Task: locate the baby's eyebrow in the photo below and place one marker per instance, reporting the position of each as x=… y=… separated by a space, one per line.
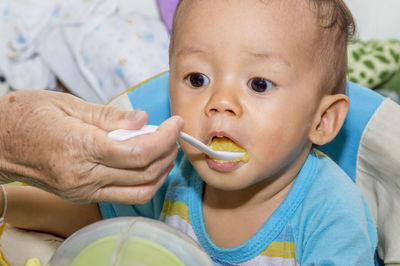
x=189 y=50
x=271 y=56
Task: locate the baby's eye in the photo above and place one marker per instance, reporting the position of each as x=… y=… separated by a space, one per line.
x=198 y=80
x=260 y=84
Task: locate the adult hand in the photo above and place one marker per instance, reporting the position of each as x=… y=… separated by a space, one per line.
x=58 y=142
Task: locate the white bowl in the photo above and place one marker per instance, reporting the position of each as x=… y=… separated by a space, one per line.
x=129 y=241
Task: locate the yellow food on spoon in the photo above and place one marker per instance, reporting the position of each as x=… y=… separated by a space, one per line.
x=225 y=144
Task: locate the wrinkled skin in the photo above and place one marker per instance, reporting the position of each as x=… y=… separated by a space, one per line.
x=59 y=143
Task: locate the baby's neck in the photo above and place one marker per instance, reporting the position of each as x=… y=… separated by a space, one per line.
x=259 y=194
x=243 y=212
x=233 y=217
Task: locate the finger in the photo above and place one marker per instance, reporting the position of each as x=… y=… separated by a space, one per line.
x=112 y=118
x=139 y=194
x=142 y=150
x=134 y=176
x=106 y=117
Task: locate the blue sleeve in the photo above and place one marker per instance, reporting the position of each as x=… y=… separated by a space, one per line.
x=334 y=225
x=152 y=209
x=339 y=239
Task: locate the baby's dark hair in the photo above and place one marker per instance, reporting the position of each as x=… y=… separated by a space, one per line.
x=337 y=28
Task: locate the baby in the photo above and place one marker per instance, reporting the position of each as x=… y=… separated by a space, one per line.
x=266 y=77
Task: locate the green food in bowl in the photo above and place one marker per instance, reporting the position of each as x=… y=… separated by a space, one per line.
x=134 y=240
x=136 y=251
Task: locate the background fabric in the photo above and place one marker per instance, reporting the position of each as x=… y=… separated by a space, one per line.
x=167 y=9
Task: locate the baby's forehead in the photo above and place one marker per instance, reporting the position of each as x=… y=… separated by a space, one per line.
x=279 y=6
x=299 y=14
x=294 y=18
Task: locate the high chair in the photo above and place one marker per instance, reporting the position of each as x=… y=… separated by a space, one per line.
x=367 y=148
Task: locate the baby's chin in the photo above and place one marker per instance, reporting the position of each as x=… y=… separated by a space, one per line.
x=231 y=176
x=225 y=181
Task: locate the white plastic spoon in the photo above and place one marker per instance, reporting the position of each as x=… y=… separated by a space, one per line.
x=124 y=134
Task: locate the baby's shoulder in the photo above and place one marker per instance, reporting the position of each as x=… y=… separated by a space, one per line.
x=331 y=183
x=333 y=193
x=333 y=218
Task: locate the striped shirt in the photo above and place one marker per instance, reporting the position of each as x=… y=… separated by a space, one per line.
x=323 y=220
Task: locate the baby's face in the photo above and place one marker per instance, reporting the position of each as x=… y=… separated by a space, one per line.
x=245 y=70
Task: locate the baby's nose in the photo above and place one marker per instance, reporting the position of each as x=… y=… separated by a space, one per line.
x=223 y=102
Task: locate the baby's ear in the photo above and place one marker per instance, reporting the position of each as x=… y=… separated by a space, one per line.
x=329 y=118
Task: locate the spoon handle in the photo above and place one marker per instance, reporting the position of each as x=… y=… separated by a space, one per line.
x=195 y=142
x=124 y=134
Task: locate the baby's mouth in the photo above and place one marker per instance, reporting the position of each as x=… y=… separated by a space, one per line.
x=226 y=144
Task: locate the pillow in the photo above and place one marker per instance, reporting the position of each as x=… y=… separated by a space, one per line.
x=374 y=62
x=17 y=246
